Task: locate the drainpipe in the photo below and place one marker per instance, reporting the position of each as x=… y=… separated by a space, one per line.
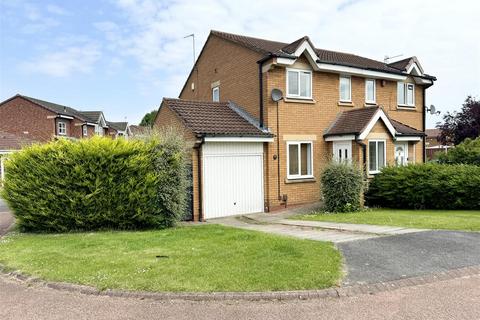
x=424 y=121
x=199 y=185
x=364 y=150
x=260 y=79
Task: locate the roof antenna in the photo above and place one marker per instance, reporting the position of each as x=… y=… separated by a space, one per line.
x=193 y=42
x=386 y=59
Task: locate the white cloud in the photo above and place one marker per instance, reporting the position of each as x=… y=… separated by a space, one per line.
x=443 y=35
x=52 y=8
x=64 y=62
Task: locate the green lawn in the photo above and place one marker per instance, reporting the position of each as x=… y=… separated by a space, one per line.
x=428 y=219
x=196 y=258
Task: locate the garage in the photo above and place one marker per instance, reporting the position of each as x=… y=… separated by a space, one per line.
x=233 y=178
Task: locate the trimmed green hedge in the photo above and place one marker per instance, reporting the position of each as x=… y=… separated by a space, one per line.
x=342 y=186
x=97 y=183
x=426 y=186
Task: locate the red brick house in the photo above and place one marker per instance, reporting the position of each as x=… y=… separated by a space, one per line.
x=41 y=120
x=433 y=145
x=9 y=143
x=265 y=117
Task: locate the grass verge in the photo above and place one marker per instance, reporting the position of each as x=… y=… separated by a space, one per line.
x=426 y=219
x=193 y=259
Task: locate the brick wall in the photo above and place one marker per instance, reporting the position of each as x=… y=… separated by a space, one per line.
x=19 y=115
x=234 y=67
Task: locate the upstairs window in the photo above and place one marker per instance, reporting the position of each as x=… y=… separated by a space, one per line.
x=216 y=94
x=405 y=94
x=61 y=128
x=345 y=89
x=299 y=84
x=370 y=91
x=299 y=160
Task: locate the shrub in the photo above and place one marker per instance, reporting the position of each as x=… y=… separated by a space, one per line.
x=426 y=186
x=467 y=152
x=96 y=183
x=342 y=186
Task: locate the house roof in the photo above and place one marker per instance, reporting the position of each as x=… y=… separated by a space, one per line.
x=281 y=49
x=119 y=126
x=91 y=116
x=9 y=141
x=432 y=133
x=138 y=130
x=355 y=121
x=214 y=118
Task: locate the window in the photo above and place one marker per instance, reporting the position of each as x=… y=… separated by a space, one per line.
x=61 y=128
x=299 y=84
x=299 y=160
x=376 y=156
x=345 y=89
x=370 y=91
x=405 y=94
x=85 y=130
x=98 y=130
x=216 y=94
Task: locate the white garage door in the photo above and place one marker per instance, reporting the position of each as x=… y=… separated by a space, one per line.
x=232 y=178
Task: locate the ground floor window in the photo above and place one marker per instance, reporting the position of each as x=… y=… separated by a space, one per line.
x=299 y=159
x=376 y=155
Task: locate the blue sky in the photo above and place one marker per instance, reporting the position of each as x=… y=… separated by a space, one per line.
x=123 y=56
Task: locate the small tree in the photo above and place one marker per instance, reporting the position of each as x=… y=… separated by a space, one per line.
x=467 y=152
x=147 y=120
x=342 y=186
x=457 y=126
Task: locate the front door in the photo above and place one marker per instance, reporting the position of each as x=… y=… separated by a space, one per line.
x=342 y=151
x=401 y=154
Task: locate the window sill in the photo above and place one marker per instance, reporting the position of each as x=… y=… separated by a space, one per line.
x=370 y=104
x=345 y=104
x=405 y=107
x=300 y=180
x=299 y=100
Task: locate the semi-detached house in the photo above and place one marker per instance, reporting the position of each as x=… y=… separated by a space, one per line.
x=263 y=119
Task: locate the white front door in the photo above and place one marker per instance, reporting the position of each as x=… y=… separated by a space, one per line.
x=342 y=151
x=401 y=154
x=232 y=178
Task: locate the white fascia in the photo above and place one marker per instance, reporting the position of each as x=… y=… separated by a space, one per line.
x=65 y=117
x=341 y=137
x=408 y=138
x=379 y=115
x=238 y=139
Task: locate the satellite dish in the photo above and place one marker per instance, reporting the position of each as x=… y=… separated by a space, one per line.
x=277 y=95
x=432 y=109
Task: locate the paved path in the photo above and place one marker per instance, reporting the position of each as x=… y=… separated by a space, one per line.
x=365 y=228
x=6 y=218
x=451 y=299
x=409 y=255
x=302 y=232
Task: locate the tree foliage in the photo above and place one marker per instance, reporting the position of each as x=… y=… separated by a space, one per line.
x=467 y=152
x=457 y=126
x=147 y=120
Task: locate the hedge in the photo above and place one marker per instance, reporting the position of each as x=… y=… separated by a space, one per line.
x=467 y=152
x=426 y=186
x=97 y=183
x=342 y=186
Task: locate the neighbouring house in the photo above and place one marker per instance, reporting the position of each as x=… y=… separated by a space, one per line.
x=433 y=144
x=138 y=131
x=10 y=143
x=263 y=119
x=42 y=120
x=118 y=129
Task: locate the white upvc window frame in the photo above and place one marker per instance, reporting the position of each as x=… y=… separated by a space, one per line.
x=85 y=130
x=99 y=130
x=216 y=90
x=343 y=76
x=376 y=154
x=405 y=95
x=299 y=71
x=61 y=131
x=374 y=101
x=299 y=175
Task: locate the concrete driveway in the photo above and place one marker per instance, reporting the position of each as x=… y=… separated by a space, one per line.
x=414 y=254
